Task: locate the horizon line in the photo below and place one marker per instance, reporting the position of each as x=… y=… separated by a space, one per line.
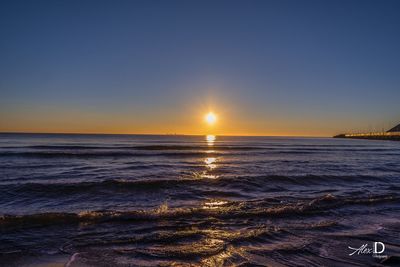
x=165 y=134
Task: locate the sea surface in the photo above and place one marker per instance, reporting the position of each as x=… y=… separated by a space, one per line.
x=136 y=200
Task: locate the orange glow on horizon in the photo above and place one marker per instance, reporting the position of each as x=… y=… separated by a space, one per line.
x=190 y=120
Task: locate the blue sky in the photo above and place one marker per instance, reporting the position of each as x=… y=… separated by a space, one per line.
x=265 y=67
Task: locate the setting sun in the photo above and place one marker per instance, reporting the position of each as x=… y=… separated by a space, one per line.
x=210 y=118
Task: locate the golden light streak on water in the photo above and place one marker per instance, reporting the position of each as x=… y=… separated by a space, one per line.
x=210 y=139
x=211 y=163
x=214 y=204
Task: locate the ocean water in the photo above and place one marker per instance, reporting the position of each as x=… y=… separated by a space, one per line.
x=131 y=200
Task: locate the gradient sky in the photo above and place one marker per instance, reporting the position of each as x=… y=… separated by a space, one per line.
x=265 y=67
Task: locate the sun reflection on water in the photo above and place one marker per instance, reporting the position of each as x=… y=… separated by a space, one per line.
x=210 y=139
x=211 y=163
x=214 y=204
x=209 y=176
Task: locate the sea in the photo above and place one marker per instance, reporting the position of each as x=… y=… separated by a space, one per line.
x=171 y=200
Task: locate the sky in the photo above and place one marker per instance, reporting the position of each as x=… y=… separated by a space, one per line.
x=307 y=68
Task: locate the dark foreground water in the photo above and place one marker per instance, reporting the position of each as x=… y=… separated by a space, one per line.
x=108 y=200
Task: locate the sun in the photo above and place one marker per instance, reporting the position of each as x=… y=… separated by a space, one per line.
x=210 y=118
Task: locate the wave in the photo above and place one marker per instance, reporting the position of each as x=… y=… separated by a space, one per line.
x=94 y=186
x=226 y=210
x=260 y=182
x=271 y=147
x=200 y=147
x=125 y=151
x=200 y=152
x=263 y=183
x=138 y=147
x=102 y=154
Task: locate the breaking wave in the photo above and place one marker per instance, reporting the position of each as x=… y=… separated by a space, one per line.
x=228 y=210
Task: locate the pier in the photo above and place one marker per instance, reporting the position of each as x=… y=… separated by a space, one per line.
x=392 y=134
